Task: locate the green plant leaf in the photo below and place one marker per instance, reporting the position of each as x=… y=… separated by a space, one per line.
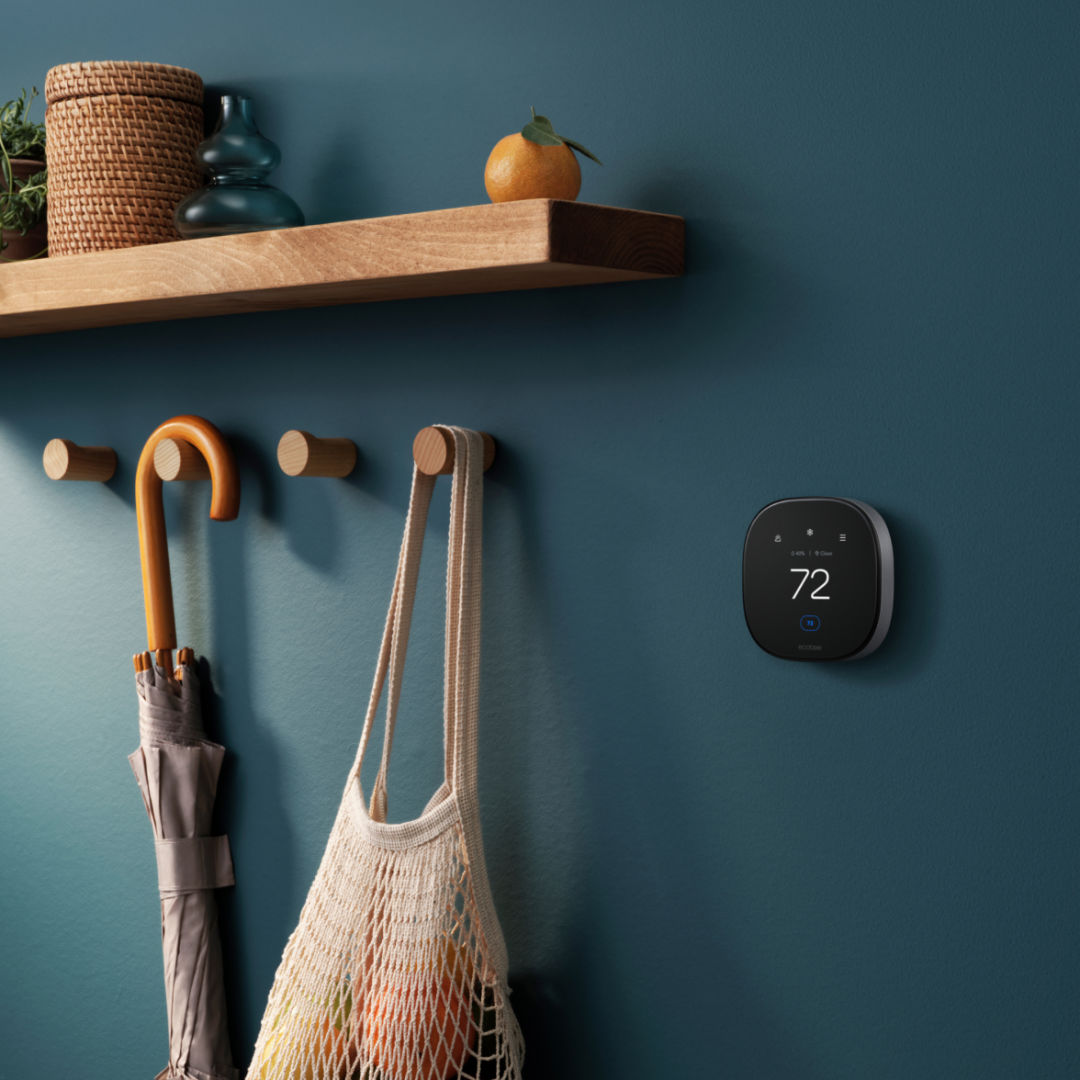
x=541 y=131
x=543 y=136
x=19 y=135
x=580 y=149
x=22 y=202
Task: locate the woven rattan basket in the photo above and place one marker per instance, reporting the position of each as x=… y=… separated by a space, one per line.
x=120 y=144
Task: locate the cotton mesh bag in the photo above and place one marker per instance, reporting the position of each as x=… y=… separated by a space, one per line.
x=397 y=967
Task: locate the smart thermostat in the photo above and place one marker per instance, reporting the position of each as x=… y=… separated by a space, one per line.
x=818 y=579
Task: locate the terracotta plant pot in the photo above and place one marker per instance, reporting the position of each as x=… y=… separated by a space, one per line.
x=34 y=242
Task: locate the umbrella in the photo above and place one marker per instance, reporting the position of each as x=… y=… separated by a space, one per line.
x=177 y=770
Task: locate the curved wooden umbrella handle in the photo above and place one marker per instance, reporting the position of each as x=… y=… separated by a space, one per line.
x=150 y=515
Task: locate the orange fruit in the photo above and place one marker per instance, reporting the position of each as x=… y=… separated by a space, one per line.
x=521 y=169
x=535 y=163
x=427 y=1025
x=437 y=1035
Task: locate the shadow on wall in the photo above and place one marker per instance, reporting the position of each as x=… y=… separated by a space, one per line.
x=563 y=1012
x=912 y=640
x=531 y=774
x=249 y=804
x=306 y=512
x=529 y=757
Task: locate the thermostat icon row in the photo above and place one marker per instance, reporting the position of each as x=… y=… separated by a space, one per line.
x=778 y=539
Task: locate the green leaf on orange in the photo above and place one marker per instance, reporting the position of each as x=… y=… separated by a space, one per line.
x=541 y=131
x=542 y=135
x=580 y=149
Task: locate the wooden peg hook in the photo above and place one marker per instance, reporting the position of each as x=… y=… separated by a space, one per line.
x=63 y=460
x=433 y=451
x=177 y=459
x=300 y=453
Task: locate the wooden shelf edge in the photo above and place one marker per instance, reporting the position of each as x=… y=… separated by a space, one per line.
x=533 y=244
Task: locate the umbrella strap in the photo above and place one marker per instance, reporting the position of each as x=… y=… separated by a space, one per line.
x=188 y=1072
x=193 y=863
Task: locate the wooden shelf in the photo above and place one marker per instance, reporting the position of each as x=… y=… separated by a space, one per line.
x=471 y=249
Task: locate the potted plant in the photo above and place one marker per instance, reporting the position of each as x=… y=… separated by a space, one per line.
x=22 y=182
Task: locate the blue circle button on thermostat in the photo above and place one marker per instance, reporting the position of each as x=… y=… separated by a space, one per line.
x=810 y=622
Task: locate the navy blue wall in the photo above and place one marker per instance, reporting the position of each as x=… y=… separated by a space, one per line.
x=707 y=861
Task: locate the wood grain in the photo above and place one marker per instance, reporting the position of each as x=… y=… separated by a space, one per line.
x=177 y=459
x=433 y=451
x=536 y=243
x=300 y=453
x=64 y=460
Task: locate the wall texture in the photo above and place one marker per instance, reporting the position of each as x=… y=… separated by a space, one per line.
x=707 y=861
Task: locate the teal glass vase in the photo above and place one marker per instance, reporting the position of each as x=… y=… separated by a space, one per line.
x=238 y=158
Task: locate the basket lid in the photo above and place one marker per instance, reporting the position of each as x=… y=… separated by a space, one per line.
x=93 y=78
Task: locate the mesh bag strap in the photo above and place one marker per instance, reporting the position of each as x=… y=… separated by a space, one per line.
x=463 y=611
x=395 y=638
x=463 y=608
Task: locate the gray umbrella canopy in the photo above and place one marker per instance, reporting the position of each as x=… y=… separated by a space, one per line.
x=177 y=769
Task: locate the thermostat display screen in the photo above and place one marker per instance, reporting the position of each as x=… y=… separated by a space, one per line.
x=812 y=578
